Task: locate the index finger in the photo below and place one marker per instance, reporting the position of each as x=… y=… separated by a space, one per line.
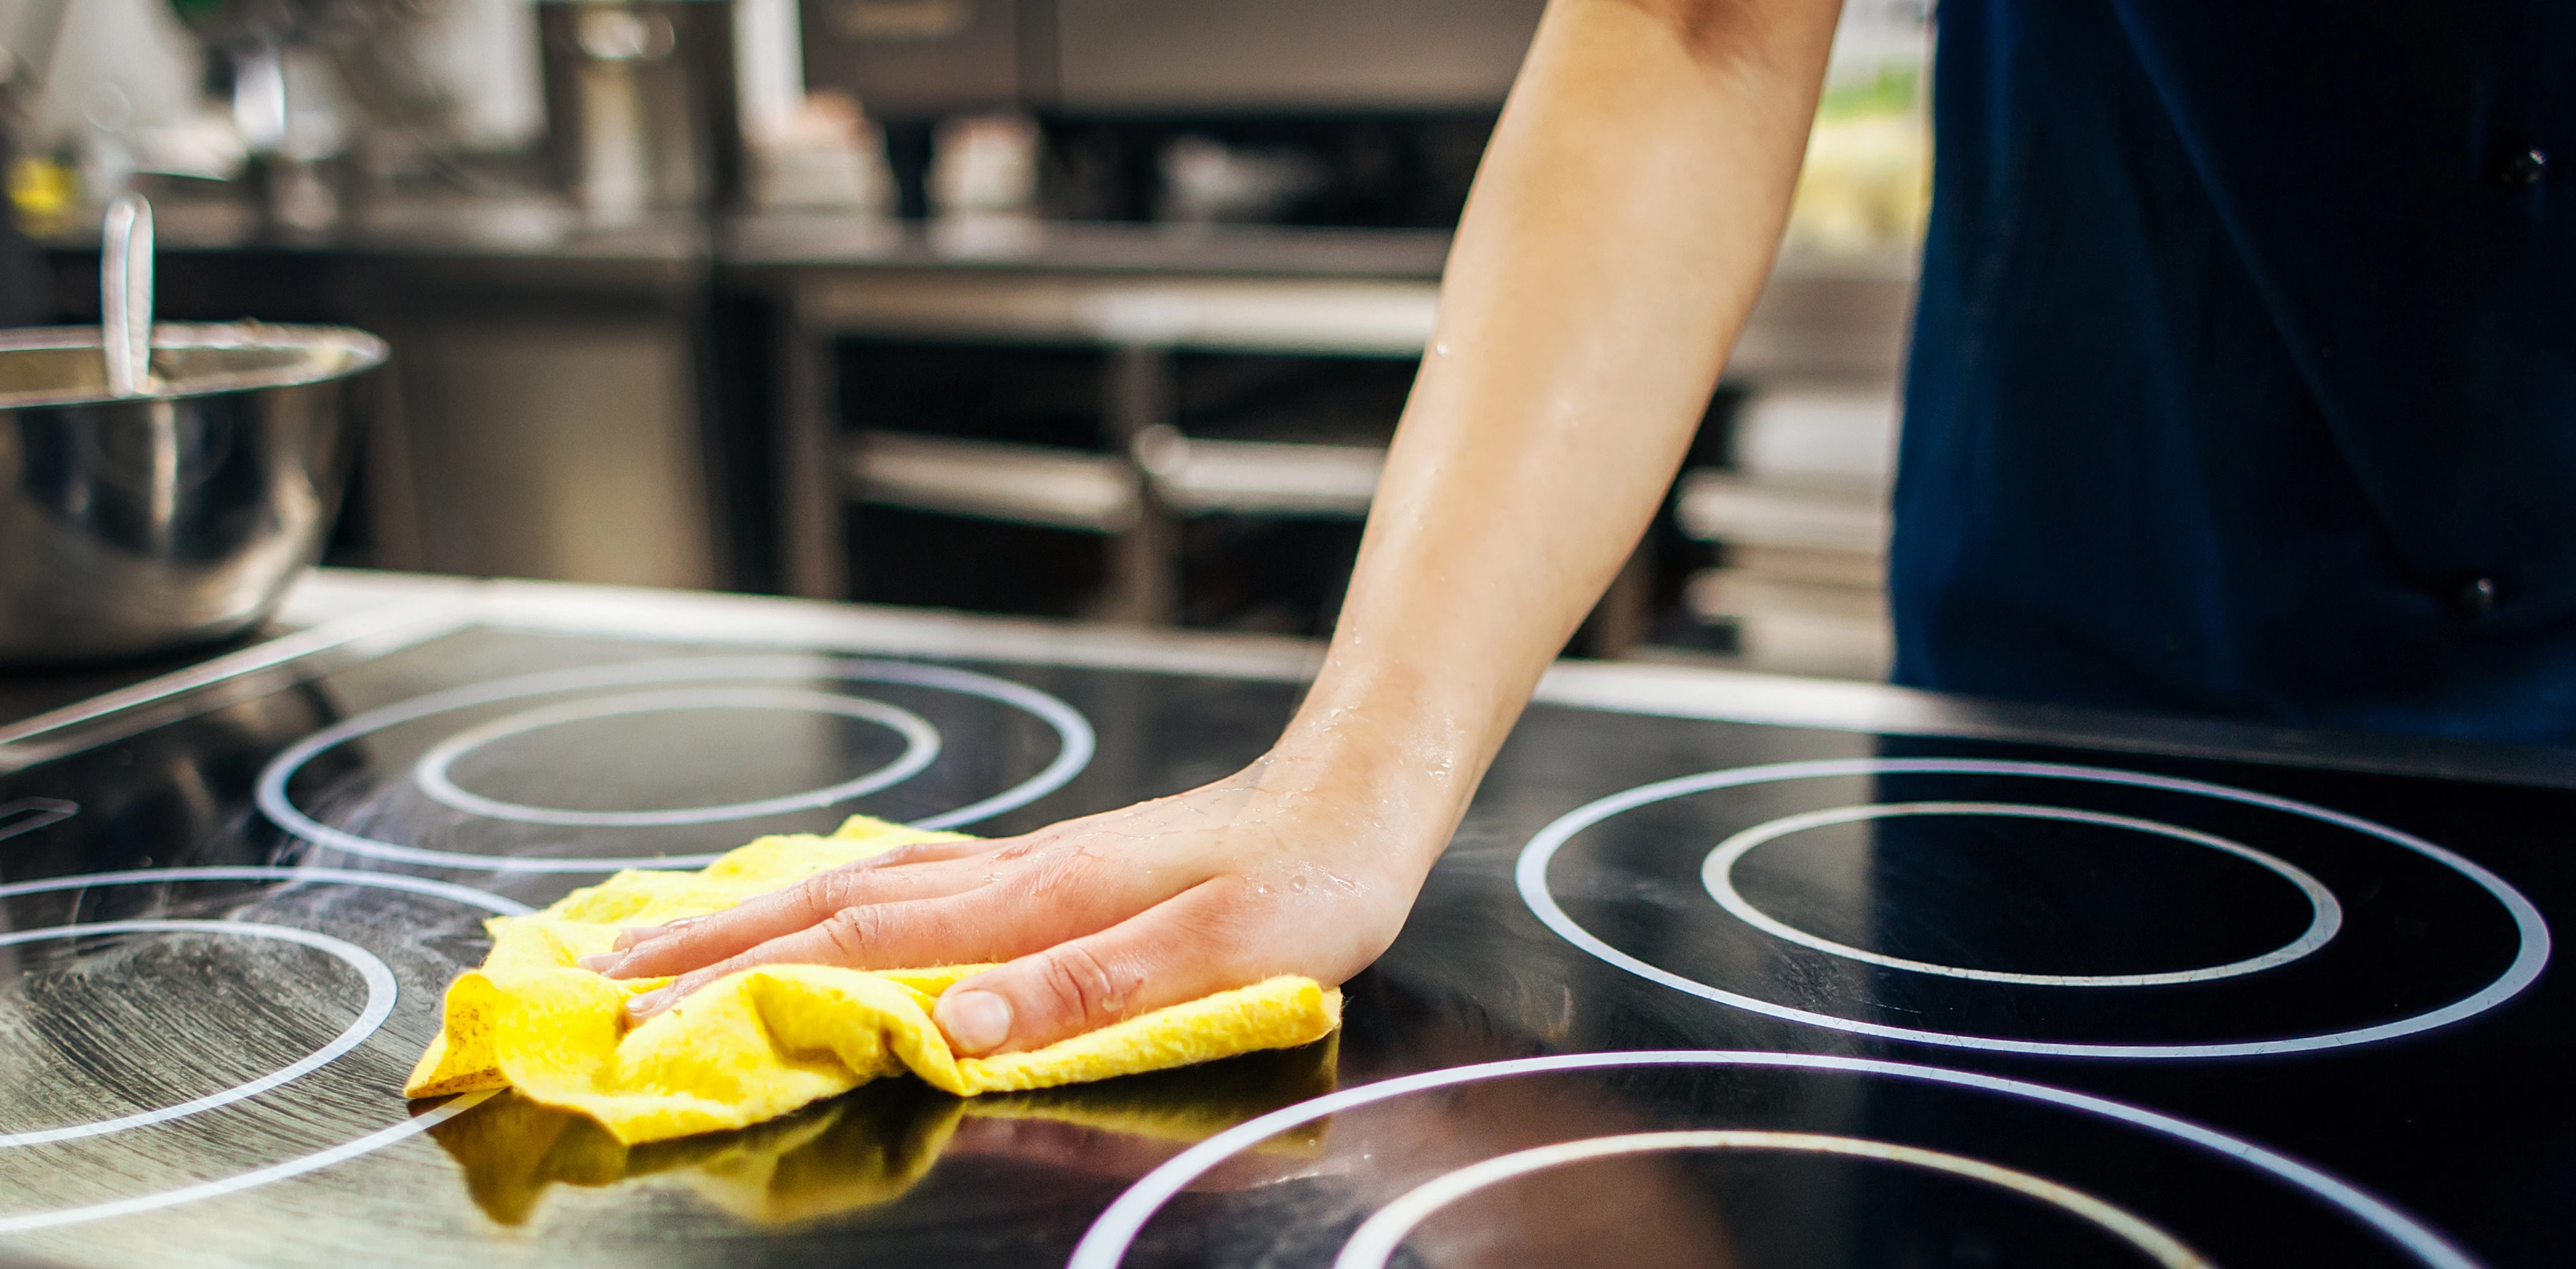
x=694 y=942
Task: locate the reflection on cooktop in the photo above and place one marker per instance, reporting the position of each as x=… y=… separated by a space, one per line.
x=871 y=1146
x=1682 y=991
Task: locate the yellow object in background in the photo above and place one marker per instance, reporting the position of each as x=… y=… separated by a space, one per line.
x=1866 y=184
x=43 y=192
x=766 y=1041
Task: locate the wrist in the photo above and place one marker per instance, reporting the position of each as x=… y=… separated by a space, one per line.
x=1401 y=769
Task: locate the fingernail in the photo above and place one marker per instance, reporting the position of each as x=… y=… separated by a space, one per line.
x=634 y=934
x=601 y=963
x=976 y=1021
x=643 y=1005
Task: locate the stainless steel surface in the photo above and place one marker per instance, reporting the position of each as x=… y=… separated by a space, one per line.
x=907 y=58
x=639 y=100
x=1720 y=506
x=1217 y=477
x=1145 y=292
x=1339 y=54
x=1026 y=484
x=1140 y=321
x=552 y=441
x=551 y=362
x=821 y=240
x=532 y=231
x=1333 y=317
x=180 y=515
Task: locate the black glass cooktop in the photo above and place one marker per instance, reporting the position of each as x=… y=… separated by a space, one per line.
x=1684 y=991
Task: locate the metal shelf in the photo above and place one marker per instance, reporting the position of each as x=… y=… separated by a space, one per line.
x=1190 y=476
x=1023 y=484
x=1330 y=317
x=1717 y=506
x=1806 y=589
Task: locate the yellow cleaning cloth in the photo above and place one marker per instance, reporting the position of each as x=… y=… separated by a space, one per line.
x=760 y=1043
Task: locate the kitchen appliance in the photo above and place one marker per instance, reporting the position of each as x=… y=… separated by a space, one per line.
x=917 y=58
x=1720 y=969
x=162 y=485
x=640 y=104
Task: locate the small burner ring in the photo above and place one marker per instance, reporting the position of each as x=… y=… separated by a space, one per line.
x=1374 y=1243
x=2531 y=956
x=1076 y=744
x=380 y=1005
x=21 y=1222
x=920 y=749
x=1114 y=1231
x=2325 y=912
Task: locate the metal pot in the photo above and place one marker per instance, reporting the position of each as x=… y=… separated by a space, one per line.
x=150 y=500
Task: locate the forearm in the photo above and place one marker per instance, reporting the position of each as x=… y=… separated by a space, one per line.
x=1620 y=228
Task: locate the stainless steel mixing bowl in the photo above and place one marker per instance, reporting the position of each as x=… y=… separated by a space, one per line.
x=179 y=514
x=161 y=485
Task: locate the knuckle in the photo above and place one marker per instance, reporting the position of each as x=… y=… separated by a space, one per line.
x=819 y=899
x=908 y=853
x=848 y=933
x=1064 y=870
x=1081 y=986
x=1029 y=843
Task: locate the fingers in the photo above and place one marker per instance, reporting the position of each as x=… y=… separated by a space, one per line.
x=958 y=929
x=689 y=944
x=1184 y=948
x=965 y=913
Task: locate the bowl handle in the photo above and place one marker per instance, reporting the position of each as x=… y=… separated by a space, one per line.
x=125 y=295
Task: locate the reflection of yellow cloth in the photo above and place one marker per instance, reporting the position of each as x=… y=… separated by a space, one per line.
x=765 y=1041
x=866 y=1147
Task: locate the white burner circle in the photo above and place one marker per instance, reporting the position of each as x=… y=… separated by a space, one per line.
x=1531 y=874
x=25 y=1221
x=1105 y=1244
x=1718 y=874
x=920 y=749
x=1076 y=744
x=1374 y=1243
x=379 y=1006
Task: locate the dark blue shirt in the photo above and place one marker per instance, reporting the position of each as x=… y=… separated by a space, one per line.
x=2244 y=373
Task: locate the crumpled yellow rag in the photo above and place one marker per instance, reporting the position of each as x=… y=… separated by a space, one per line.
x=760 y=1043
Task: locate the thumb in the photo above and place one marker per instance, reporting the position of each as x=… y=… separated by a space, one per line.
x=1175 y=951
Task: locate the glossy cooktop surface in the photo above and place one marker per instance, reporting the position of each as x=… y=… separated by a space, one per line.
x=1684 y=990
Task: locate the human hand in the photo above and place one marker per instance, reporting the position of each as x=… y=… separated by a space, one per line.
x=1281 y=869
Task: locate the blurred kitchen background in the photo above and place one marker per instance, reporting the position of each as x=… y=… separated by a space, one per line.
x=1095 y=308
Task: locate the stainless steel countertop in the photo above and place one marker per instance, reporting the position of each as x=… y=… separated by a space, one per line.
x=491 y=228
x=539 y=227
x=825 y=240
x=337 y=614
